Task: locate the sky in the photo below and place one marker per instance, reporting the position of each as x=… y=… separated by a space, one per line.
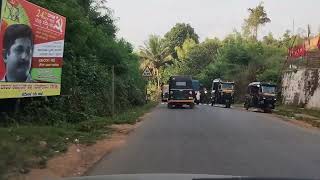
x=137 y=19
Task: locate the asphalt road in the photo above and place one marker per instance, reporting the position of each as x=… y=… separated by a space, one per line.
x=214 y=140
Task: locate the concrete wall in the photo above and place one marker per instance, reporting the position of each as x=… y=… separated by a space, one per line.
x=301 y=87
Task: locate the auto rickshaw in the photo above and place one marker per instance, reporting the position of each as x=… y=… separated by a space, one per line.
x=222 y=92
x=261 y=95
x=165 y=93
x=180 y=92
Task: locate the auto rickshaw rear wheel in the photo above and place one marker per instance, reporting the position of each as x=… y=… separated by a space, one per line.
x=228 y=105
x=267 y=110
x=246 y=106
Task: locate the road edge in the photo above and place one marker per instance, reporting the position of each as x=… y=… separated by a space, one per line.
x=110 y=143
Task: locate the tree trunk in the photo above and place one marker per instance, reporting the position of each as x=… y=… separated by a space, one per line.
x=158 y=79
x=256 y=33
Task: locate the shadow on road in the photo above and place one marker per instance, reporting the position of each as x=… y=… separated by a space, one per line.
x=257 y=111
x=164 y=105
x=222 y=106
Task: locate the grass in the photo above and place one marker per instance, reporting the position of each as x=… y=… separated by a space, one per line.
x=30 y=146
x=281 y=110
x=293 y=112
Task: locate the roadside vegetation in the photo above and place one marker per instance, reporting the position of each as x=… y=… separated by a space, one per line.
x=43 y=127
x=309 y=116
x=241 y=56
x=27 y=145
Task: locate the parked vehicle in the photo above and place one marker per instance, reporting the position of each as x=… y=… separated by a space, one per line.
x=196 y=89
x=165 y=93
x=222 y=92
x=261 y=95
x=180 y=91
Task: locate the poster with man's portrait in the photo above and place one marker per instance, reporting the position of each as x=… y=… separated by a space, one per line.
x=32 y=44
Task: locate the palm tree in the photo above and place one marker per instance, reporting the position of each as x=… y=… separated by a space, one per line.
x=155 y=54
x=257 y=17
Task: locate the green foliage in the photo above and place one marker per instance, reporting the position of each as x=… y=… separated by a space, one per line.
x=30 y=146
x=178 y=35
x=184 y=51
x=287 y=40
x=155 y=54
x=91 y=49
x=236 y=58
x=177 y=68
x=293 y=111
x=257 y=17
x=200 y=56
x=270 y=40
x=245 y=61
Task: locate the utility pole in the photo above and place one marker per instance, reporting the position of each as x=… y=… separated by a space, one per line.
x=293 y=27
x=147 y=74
x=147 y=98
x=113 y=91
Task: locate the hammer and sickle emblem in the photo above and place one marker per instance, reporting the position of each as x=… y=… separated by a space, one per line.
x=59 y=25
x=14 y=11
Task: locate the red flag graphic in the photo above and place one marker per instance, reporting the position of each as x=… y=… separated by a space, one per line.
x=14 y=3
x=297 y=51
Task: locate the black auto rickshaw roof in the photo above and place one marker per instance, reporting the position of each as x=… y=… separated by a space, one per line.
x=181 y=78
x=261 y=84
x=221 y=81
x=187 y=79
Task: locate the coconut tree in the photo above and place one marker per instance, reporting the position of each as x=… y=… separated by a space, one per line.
x=155 y=54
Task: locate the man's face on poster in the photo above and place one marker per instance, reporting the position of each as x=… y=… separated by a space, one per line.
x=18 y=58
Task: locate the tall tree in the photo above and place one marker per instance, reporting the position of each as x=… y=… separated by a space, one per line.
x=90 y=49
x=269 y=39
x=287 y=39
x=201 y=55
x=85 y=4
x=155 y=54
x=183 y=52
x=257 y=17
x=177 y=36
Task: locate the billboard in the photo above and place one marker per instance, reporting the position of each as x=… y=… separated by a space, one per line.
x=32 y=44
x=312 y=44
x=308 y=46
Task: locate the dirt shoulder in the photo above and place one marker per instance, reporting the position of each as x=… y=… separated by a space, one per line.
x=306 y=116
x=78 y=158
x=301 y=117
x=81 y=151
